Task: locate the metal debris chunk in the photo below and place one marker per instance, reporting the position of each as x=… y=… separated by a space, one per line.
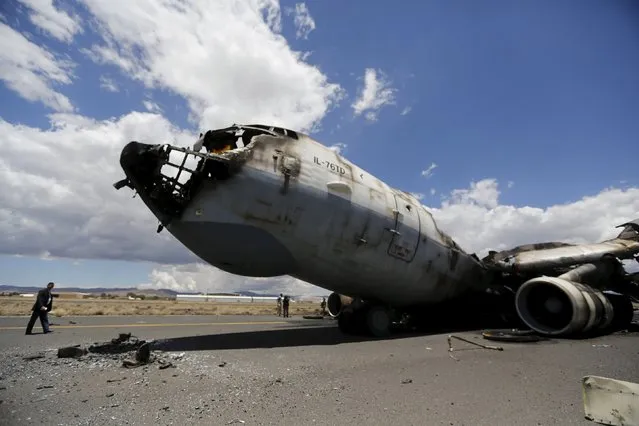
x=164 y=365
x=143 y=354
x=71 y=352
x=610 y=401
x=33 y=357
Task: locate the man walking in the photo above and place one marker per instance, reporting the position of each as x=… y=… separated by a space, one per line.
x=41 y=308
x=285 y=306
x=279 y=305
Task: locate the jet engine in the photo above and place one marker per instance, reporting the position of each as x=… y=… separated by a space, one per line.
x=557 y=307
x=336 y=303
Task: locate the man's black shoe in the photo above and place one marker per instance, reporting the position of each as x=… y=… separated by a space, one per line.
x=28 y=333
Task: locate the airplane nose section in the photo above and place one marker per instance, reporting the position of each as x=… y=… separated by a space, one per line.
x=132 y=153
x=142 y=164
x=167 y=186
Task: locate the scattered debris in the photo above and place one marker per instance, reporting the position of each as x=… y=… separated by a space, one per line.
x=407 y=381
x=45 y=387
x=72 y=322
x=222 y=364
x=109 y=395
x=33 y=357
x=71 y=352
x=512 y=335
x=600 y=346
x=123 y=343
x=143 y=353
x=165 y=364
x=115 y=380
x=450 y=345
x=236 y=421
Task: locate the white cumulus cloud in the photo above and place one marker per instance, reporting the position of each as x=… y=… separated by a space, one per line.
x=108 y=84
x=226 y=58
x=54 y=21
x=58 y=197
x=304 y=22
x=429 y=171
x=199 y=277
x=151 y=106
x=476 y=219
x=32 y=71
x=376 y=93
x=338 y=147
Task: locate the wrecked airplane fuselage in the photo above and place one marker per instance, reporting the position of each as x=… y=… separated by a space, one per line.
x=265 y=201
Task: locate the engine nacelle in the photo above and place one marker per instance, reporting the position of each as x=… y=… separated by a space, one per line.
x=336 y=303
x=557 y=307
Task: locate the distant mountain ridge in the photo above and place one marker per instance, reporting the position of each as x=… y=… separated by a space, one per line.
x=119 y=290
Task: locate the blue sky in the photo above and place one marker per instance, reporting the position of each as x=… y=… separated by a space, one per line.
x=544 y=95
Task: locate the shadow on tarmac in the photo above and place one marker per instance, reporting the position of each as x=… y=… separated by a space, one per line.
x=454 y=319
x=301 y=335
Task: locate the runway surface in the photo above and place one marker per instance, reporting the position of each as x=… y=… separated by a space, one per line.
x=267 y=370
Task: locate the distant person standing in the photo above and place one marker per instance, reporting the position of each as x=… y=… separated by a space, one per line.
x=285 y=306
x=41 y=308
x=279 y=305
x=323 y=306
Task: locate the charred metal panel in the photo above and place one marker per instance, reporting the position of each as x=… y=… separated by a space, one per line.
x=567 y=255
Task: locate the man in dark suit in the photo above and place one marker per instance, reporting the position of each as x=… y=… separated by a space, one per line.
x=41 y=308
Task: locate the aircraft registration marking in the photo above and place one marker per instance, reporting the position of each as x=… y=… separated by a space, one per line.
x=329 y=165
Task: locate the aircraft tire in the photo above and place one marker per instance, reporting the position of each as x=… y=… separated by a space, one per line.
x=623 y=311
x=378 y=321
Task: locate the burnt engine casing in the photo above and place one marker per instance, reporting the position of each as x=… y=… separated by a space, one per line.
x=555 y=306
x=336 y=303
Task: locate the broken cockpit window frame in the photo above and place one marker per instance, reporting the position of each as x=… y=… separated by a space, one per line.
x=170 y=176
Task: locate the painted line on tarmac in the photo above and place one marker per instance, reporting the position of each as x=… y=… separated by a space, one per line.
x=186 y=324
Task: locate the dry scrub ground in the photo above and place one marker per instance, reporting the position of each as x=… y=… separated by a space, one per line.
x=13 y=306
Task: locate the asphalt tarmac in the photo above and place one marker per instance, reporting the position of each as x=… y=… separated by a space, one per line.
x=292 y=371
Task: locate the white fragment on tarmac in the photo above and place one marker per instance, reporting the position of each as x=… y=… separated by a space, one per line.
x=610 y=401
